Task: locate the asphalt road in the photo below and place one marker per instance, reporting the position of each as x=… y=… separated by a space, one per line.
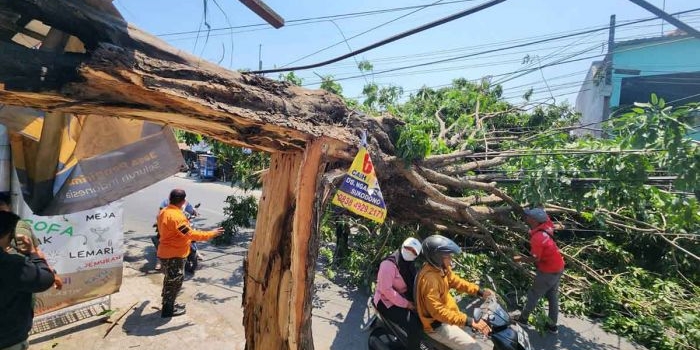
x=141 y=208
x=339 y=311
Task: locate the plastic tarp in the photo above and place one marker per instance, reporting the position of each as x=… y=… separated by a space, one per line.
x=67 y=163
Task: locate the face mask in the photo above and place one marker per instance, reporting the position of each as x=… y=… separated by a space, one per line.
x=408 y=255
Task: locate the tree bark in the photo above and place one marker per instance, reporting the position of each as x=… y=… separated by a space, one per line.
x=127 y=73
x=342 y=234
x=282 y=257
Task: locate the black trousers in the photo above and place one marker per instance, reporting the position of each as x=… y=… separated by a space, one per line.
x=406 y=318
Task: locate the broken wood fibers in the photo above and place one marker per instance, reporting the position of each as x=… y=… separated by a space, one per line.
x=129 y=73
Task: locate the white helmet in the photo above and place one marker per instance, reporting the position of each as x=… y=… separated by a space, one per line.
x=413 y=243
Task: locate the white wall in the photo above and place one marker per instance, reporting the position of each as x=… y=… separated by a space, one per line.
x=590 y=101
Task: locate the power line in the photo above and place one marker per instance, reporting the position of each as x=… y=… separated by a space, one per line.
x=362 y=33
x=309 y=20
x=390 y=39
x=488 y=63
x=559 y=62
x=492 y=50
x=445 y=53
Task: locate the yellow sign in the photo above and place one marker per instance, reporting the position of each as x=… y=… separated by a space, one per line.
x=360 y=192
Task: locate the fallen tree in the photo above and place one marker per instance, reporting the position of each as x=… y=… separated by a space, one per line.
x=434 y=174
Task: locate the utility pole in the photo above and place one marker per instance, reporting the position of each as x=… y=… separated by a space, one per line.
x=260 y=57
x=265 y=12
x=608 y=65
x=663 y=8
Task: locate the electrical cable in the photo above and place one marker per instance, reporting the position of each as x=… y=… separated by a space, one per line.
x=321 y=18
x=362 y=33
x=390 y=39
x=476 y=53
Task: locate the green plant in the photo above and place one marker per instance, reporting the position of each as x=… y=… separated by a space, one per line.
x=630 y=240
x=240 y=212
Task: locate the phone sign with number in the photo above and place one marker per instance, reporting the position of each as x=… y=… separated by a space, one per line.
x=360 y=192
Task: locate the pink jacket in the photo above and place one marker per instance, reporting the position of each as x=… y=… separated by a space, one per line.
x=390 y=286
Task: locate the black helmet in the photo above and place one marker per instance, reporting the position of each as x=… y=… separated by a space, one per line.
x=436 y=246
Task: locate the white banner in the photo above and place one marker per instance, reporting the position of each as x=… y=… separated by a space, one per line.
x=85 y=248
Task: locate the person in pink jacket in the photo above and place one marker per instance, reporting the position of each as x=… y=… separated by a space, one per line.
x=393 y=297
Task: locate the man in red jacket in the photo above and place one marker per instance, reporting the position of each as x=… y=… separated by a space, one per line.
x=549 y=264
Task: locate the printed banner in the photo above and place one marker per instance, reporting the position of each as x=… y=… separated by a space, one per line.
x=85 y=248
x=360 y=192
x=67 y=163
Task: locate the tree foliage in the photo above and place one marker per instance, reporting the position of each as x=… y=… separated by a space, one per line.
x=625 y=206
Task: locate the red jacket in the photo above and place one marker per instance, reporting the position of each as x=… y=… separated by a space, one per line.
x=544 y=249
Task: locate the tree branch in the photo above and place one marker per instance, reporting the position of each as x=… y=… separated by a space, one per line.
x=461 y=169
x=443 y=130
x=444 y=159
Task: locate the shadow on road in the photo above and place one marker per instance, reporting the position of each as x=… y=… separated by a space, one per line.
x=70 y=330
x=140 y=324
x=349 y=334
x=567 y=338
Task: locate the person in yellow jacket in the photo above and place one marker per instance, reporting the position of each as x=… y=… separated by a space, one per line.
x=438 y=311
x=175 y=238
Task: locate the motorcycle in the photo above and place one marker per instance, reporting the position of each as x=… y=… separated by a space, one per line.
x=192 y=260
x=506 y=334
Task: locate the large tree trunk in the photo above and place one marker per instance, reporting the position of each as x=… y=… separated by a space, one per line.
x=127 y=73
x=281 y=259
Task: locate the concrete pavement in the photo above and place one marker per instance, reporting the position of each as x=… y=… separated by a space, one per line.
x=213 y=296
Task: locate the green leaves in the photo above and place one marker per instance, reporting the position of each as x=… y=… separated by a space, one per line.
x=330 y=85
x=291 y=78
x=413 y=143
x=240 y=212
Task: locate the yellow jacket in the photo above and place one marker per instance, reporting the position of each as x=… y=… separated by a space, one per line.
x=176 y=233
x=433 y=299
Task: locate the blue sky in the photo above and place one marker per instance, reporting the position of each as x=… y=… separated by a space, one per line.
x=509 y=23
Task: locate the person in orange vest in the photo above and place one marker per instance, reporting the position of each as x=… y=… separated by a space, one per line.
x=175 y=238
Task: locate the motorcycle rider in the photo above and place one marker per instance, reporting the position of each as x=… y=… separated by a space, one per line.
x=393 y=297
x=438 y=311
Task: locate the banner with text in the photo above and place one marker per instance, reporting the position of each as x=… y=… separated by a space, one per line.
x=67 y=163
x=85 y=248
x=360 y=192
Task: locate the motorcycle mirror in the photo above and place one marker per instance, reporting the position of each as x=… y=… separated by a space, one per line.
x=477 y=314
x=197 y=205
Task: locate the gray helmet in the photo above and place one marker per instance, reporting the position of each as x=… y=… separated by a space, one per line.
x=436 y=246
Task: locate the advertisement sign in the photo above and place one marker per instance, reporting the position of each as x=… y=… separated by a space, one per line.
x=85 y=248
x=360 y=192
x=67 y=163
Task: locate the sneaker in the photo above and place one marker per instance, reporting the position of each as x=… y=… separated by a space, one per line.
x=171 y=311
x=552 y=328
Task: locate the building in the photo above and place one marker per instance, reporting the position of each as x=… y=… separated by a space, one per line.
x=668 y=66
